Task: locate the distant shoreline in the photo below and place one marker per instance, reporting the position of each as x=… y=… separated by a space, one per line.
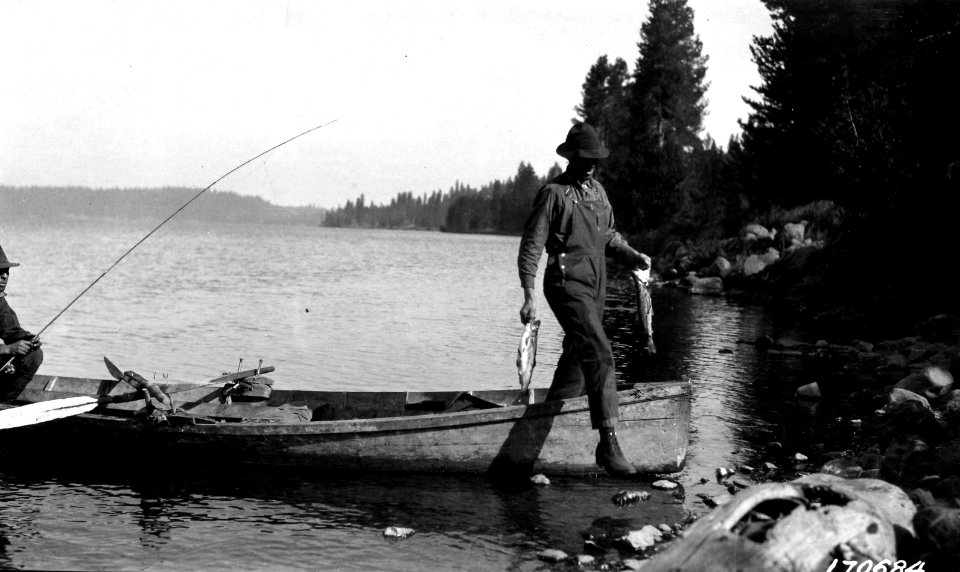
x=72 y=202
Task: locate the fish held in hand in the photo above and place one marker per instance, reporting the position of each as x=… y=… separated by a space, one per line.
x=527 y=354
x=641 y=279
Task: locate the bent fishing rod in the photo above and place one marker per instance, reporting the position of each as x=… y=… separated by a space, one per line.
x=165 y=221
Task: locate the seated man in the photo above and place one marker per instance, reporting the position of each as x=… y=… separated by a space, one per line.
x=20 y=353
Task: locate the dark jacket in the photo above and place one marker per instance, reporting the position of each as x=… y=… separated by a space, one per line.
x=550 y=225
x=10 y=330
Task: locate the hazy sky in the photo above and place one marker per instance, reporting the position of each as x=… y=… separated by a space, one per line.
x=423 y=93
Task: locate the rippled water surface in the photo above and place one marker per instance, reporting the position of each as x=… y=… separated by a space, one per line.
x=355 y=309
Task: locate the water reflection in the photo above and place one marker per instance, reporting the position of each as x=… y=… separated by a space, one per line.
x=215 y=519
x=154 y=521
x=743 y=398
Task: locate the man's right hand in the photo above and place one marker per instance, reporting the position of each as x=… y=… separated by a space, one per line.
x=21 y=348
x=529 y=309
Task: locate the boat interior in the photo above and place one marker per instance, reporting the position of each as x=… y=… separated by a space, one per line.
x=254 y=398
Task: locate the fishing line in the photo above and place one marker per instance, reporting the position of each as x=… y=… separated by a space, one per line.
x=156 y=228
x=266 y=173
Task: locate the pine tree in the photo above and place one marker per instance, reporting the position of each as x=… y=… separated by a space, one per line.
x=669 y=88
x=666 y=108
x=603 y=98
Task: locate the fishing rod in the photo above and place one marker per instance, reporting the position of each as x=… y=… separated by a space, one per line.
x=149 y=234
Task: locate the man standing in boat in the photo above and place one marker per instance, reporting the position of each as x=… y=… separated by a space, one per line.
x=573 y=220
x=20 y=353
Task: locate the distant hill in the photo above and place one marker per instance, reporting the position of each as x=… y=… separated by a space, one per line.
x=59 y=203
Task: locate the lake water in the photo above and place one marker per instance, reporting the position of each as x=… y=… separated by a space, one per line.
x=356 y=309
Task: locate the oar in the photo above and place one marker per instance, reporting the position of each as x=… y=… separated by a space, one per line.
x=48 y=410
x=41 y=411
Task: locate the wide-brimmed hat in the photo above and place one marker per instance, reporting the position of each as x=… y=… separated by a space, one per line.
x=582 y=141
x=4 y=263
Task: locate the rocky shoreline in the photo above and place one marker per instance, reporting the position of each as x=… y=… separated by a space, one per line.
x=800 y=269
x=911 y=446
x=911 y=441
x=893 y=498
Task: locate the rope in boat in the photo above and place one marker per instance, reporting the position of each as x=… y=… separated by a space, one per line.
x=175 y=213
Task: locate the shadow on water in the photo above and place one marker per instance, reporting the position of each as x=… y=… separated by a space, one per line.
x=518 y=454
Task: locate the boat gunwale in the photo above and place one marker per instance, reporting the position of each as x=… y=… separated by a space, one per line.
x=671 y=390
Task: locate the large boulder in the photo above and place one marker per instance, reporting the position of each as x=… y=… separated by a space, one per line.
x=939 y=527
x=793 y=233
x=720 y=267
x=948 y=488
x=697 y=285
x=644 y=538
x=931 y=382
x=947 y=458
x=794 y=526
x=870 y=460
x=754 y=231
x=950 y=406
x=912 y=417
x=798 y=260
x=809 y=391
x=890 y=501
x=900 y=395
x=906 y=453
x=756 y=263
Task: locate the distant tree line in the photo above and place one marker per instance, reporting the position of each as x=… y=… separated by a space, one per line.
x=501 y=206
x=59 y=203
x=498 y=207
x=405 y=211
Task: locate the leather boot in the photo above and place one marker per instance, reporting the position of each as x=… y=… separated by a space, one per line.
x=610 y=457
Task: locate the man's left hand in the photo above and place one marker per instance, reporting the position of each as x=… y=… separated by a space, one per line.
x=640 y=260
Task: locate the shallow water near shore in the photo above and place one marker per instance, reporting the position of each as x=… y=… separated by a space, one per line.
x=361 y=309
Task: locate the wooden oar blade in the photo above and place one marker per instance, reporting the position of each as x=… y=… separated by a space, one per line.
x=34 y=413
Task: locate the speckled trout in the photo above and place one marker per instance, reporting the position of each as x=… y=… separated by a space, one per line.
x=641 y=278
x=527 y=356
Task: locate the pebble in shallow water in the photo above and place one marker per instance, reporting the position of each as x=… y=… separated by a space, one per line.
x=723 y=473
x=553 y=555
x=398 y=532
x=644 y=538
x=541 y=480
x=664 y=485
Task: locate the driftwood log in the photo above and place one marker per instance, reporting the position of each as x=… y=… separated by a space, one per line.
x=800 y=526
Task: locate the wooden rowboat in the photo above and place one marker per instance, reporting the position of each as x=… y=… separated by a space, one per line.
x=461 y=431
